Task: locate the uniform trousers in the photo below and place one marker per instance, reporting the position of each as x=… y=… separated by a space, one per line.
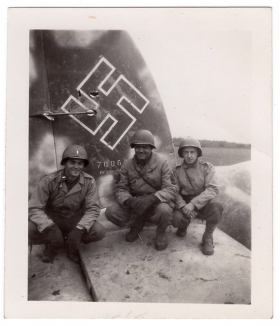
x=123 y=217
x=66 y=225
x=211 y=213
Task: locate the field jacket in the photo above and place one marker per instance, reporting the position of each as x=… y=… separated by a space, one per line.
x=51 y=196
x=158 y=174
x=199 y=182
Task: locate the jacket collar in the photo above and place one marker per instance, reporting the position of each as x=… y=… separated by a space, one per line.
x=61 y=177
x=192 y=166
x=150 y=165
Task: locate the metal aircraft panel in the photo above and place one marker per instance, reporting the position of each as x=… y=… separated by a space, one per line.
x=101 y=71
x=42 y=158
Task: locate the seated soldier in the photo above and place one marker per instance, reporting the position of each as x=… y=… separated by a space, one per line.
x=198 y=187
x=145 y=192
x=64 y=208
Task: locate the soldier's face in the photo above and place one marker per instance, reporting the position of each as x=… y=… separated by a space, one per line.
x=143 y=152
x=73 y=168
x=189 y=154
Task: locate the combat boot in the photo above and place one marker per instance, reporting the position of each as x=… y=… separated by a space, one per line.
x=182 y=231
x=136 y=228
x=73 y=255
x=207 y=240
x=48 y=254
x=161 y=239
x=132 y=235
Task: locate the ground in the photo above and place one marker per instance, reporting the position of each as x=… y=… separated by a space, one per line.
x=60 y=281
x=115 y=270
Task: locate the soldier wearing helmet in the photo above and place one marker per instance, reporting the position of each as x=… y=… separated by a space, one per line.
x=64 y=208
x=198 y=188
x=146 y=191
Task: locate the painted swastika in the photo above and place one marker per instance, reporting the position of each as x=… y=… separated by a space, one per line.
x=101 y=78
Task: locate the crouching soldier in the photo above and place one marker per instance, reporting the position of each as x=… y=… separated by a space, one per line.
x=146 y=191
x=198 y=187
x=64 y=208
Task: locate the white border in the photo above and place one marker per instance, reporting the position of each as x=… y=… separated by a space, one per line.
x=195 y=3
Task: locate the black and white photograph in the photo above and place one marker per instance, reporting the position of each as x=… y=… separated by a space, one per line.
x=145 y=140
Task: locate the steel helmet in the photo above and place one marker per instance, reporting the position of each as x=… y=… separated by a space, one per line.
x=190 y=142
x=75 y=151
x=142 y=137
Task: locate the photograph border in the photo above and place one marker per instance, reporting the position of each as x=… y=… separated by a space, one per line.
x=16 y=297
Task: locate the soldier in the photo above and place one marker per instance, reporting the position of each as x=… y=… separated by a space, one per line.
x=64 y=208
x=146 y=191
x=198 y=188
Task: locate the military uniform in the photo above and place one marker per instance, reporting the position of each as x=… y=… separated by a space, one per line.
x=52 y=203
x=198 y=185
x=156 y=178
x=198 y=181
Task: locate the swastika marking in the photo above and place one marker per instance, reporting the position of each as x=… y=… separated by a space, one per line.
x=106 y=93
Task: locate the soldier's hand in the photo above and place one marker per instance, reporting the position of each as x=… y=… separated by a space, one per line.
x=136 y=203
x=54 y=237
x=141 y=204
x=193 y=214
x=189 y=211
x=129 y=202
x=190 y=207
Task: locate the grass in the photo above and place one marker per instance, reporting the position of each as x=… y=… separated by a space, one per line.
x=223 y=156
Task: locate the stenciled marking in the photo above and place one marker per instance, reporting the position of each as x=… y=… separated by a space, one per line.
x=93 y=132
x=106 y=93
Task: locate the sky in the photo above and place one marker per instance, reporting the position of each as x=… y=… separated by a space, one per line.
x=211 y=66
x=202 y=67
